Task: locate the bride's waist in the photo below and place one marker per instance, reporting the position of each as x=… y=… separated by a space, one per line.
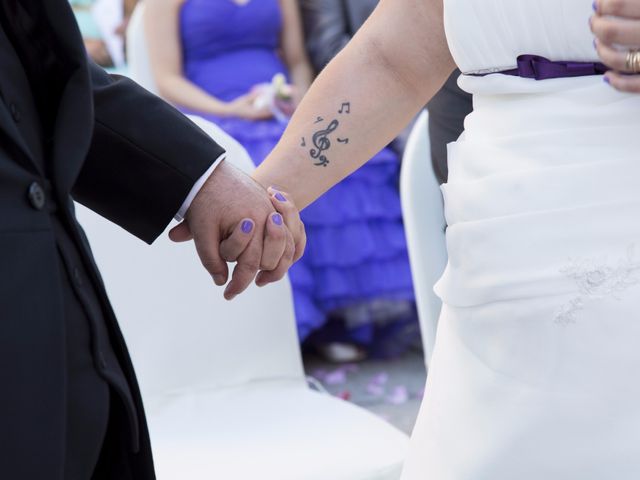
x=544 y=253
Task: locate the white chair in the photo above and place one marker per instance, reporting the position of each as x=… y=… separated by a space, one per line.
x=223 y=382
x=424 y=224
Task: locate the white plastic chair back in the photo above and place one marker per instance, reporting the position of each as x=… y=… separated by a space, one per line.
x=423 y=210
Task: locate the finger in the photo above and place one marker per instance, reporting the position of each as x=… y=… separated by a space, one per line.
x=207 y=246
x=611 y=57
x=284 y=205
x=623 y=83
x=265 y=278
x=620 y=31
x=247 y=267
x=275 y=241
x=232 y=247
x=618 y=8
x=180 y=233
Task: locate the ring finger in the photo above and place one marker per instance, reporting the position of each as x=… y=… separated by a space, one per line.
x=613 y=58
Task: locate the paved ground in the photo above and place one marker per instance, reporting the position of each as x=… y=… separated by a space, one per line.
x=391 y=389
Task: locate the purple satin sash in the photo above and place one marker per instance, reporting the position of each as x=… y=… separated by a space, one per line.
x=540 y=68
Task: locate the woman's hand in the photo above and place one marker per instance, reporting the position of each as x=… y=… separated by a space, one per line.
x=284 y=205
x=244 y=107
x=616 y=25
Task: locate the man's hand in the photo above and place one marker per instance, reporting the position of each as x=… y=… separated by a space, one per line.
x=233 y=219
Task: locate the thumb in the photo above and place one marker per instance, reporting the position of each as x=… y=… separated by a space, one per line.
x=181 y=233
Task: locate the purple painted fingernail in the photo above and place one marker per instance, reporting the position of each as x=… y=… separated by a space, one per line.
x=280 y=197
x=277 y=219
x=247 y=226
x=595 y=6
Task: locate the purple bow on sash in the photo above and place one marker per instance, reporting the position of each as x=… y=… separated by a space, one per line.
x=540 y=68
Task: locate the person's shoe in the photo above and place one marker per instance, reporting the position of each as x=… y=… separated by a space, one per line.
x=336 y=352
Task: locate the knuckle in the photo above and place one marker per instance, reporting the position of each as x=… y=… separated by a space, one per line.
x=269 y=263
x=277 y=275
x=606 y=31
x=614 y=7
x=249 y=265
x=211 y=265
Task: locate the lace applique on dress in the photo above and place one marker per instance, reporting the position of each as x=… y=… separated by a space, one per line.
x=598 y=279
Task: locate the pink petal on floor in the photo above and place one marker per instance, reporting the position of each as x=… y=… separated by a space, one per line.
x=399 y=395
x=337 y=377
x=346 y=395
x=380 y=378
x=375 y=390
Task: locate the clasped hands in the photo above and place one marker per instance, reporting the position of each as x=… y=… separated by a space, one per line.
x=234 y=219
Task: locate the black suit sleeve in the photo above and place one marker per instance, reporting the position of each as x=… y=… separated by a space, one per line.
x=144 y=158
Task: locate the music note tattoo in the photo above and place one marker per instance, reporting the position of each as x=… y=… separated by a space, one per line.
x=321 y=138
x=322 y=143
x=345 y=108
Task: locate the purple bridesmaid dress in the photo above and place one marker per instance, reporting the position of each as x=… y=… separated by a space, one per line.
x=356 y=263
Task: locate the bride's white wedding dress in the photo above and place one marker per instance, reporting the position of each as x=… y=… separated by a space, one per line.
x=536 y=369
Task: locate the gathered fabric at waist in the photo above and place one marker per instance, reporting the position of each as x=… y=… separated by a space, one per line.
x=543 y=192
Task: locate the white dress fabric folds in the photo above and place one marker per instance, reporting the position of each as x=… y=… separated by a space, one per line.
x=536 y=368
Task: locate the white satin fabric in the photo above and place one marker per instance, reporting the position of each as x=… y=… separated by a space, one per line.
x=535 y=373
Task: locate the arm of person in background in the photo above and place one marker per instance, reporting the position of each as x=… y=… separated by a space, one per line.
x=396 y=62
x=143 y=162
x=616 y=25
x=293 y=49
x=162 y=28
x=326 y=28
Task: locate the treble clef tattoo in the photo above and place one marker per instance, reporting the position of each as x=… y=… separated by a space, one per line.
x=322 y=143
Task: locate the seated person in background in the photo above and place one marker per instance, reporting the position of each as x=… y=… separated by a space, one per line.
x=92 y=34
x=96 y=47
x=353 y=286
x=330 y=24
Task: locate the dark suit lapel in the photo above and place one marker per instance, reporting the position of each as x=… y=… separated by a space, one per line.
x=48 y=37
x=74 y=120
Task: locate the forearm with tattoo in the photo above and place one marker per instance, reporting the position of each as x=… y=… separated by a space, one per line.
x=321 y=138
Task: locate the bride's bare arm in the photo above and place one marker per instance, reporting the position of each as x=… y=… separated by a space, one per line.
x=365 y=96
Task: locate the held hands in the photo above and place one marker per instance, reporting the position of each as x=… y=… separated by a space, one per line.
x=616 y=25
x=233 y=219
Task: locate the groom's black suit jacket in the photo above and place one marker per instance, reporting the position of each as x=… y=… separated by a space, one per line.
x=69 y=130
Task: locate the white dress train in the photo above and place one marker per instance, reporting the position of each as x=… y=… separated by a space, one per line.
x=536 y=368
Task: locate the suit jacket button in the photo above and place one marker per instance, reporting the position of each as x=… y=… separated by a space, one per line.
x=36 y=196
x=15 y=113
